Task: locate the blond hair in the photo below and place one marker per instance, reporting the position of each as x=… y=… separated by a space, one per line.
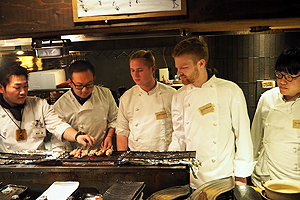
x=147 y=56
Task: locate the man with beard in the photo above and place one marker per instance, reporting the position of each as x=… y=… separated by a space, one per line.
x=24 y=119
x=210 y=117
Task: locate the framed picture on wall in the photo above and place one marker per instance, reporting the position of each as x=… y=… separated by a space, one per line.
x=102 y=10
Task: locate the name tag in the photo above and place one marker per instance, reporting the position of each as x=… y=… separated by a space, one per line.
x=296 y=123
x=161 y=115
x=206 y=109
x=39 y=132
x=21 y=134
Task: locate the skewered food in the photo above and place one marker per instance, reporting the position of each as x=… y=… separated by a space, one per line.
x=92 y=152
x=73 y=152
x=78 y=153
x=84 y=153
x=100 y=152
x=109 y=151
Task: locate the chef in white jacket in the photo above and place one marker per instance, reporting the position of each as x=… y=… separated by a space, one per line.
x=24 y=120
x=144 y=120
x=86 y=107
x=210 y=117
x=276 y=125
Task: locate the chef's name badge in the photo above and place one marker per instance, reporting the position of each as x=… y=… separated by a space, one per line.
x=161 y=115
x=207 y=108
x=21 y=134
x=296 y=123
x=39 y=132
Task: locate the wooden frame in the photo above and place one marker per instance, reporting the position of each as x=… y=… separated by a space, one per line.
x=78 y=6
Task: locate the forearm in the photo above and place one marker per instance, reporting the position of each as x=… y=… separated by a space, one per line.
x=70 y=134
x=111 y=132
x=122 y=143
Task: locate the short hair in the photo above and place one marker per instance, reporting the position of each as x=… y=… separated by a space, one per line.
x=192 y=46
x=289 y=61
x=147 y=56
x=81 y=66
x=9 y=67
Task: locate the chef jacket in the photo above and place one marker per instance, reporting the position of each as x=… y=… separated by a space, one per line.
x=94 y=117
x=37 y=113
x=145 y=118
x=213 y=121
x=276 y=138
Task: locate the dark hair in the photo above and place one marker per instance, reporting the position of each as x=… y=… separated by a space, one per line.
x=81 y=66
x=147 y=56
x=192 y=46
x=9 y=68
x=289 y=61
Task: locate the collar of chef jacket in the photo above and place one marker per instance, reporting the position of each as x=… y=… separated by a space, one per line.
x=16 y=111
x=151 y=91
x=79 y=99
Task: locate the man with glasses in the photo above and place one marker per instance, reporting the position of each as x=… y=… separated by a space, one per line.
x=24 y=120
x=90 y=109
x=276 y=125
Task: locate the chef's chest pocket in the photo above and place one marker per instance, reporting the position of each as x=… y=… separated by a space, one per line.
x=99 y=114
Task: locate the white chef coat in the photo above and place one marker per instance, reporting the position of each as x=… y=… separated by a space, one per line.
x=34 y=109
x=94 y=117
x=276 y=141
x=221 y=138
x=137 y=118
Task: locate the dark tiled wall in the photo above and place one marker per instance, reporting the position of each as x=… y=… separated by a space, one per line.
x=242 y=59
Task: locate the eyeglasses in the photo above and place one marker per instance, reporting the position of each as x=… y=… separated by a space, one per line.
x=80 y=87
x=287 y=77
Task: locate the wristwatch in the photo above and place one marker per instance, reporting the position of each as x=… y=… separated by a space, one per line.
x=77 y=134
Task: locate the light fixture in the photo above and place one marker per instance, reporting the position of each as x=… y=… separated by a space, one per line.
x=51 y=47
x=19 y=50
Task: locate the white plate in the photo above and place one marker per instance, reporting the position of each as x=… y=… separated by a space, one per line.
x=60 y=190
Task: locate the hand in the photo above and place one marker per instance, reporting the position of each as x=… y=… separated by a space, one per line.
x=84 y=139
x=107 y=143
x=240 y=181
x=202 y=196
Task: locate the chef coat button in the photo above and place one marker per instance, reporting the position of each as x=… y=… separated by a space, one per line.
x=104 y=118
x=162 y=122
x=104 y=131
x=187 y=122
x=3 y=116
x=211 y=86
x=137 y=109
x=215 y=124
x=140 y=95
x=295 y=166
x=136 y=125
x=136 y=140
x=295 y=150
x=80 y=126
x=215 y=142
x=8 y=147
x=213 y=160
